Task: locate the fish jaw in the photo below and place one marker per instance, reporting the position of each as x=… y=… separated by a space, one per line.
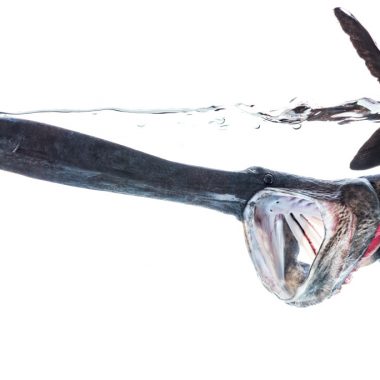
x=350 y=217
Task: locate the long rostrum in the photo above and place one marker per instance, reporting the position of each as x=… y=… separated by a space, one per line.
x=63 y=156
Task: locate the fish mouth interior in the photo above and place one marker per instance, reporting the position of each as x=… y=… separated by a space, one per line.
x=285 y=231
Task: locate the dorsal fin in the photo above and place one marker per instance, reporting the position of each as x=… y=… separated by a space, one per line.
x=368 y=155
x=361 y=40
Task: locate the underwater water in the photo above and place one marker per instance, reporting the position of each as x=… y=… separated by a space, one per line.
x=144 y=276
x=152 y=266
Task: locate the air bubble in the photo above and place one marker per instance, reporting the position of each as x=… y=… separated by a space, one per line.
x=219 y=121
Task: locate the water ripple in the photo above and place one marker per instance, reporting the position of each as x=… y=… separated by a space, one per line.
x=295 y=113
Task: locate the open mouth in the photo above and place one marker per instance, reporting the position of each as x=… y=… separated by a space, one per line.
x=299 y=244
x=305 y=244
x=285 y=233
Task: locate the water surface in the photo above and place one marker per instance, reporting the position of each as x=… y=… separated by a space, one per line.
x=302 y=138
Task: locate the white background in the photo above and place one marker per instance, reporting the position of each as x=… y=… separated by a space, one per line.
x=103 y=286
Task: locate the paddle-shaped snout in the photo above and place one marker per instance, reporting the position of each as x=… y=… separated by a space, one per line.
x=306 y=237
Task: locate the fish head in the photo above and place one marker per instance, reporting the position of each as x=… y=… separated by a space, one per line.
x=306 y=242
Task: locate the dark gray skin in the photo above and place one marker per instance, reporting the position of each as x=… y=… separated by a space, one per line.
x=58 y=155
x=54 y=154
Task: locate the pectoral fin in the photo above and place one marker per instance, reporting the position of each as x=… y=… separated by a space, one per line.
x=368 y=155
